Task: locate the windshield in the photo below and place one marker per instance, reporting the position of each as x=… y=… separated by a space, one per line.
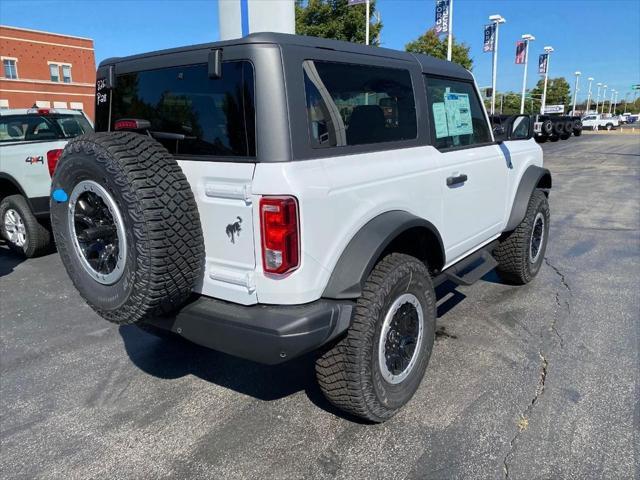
x=34 y=127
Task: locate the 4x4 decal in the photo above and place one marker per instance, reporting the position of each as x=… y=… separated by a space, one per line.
x=38 y=159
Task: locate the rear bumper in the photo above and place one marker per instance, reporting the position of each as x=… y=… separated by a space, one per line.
x=263 y=333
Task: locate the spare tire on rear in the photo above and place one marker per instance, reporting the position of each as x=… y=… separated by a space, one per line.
x=126 y=225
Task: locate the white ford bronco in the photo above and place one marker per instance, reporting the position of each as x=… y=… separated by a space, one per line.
x=277 y=195
x=31 y=140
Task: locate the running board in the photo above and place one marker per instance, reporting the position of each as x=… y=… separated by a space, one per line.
x=470 y=269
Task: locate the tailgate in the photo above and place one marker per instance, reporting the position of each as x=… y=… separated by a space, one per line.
x=222 y=191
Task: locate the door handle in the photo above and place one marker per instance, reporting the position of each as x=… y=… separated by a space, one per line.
x=451 y=181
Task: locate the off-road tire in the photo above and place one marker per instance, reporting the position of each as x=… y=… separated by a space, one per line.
x=512 y=253
x=38 y=237
x=165 y=249
x=349 y=374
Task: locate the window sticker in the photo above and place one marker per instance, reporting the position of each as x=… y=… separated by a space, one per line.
x=440 y=120
x=458 y=112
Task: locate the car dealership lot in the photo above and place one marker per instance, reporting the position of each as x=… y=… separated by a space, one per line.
x=540 y=381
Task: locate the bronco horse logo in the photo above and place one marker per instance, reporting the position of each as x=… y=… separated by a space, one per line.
x=234 y=229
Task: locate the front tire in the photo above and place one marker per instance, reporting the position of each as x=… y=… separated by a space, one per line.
x=22 y=231
x=521 y=253
x=377 y=367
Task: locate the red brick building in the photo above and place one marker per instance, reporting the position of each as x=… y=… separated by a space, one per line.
x=46 y=69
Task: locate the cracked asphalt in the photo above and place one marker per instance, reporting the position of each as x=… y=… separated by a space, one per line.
x=533 y=382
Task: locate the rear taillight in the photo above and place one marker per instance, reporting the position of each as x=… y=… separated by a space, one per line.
x=52 y=160
x=280 y=236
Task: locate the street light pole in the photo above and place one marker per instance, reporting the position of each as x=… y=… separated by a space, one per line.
x=589 y=96
x=611 y=100
x=527 y=38
x=615 y=103
x=575 y=93
x=599 y=84
x=496 y=20
x=450 y=32
x=549 y=50
x=604 y=98
x=367 y=26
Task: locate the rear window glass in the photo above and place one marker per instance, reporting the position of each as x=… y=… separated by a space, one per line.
x=34 y=127
x=358 y=104
x=190 y=113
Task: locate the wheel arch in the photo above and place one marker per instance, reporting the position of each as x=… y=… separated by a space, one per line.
x=533 y=178
x=9 y=186
x=394 y=231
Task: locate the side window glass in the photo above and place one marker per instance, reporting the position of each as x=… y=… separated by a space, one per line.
x=457 y=118
x=357 y=104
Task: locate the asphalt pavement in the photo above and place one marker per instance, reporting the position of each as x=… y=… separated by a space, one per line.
x=533 y=382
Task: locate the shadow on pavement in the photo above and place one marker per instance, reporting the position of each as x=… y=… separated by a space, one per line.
x=170 y=358
x=8 y=259
x=175 y=358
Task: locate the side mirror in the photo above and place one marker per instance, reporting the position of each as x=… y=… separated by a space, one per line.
x=520 y=128
x=499 y=133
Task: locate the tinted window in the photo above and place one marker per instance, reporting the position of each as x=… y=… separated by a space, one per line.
x=357 y=104
x=457 y=118
x=190 y=113
x=33 y=127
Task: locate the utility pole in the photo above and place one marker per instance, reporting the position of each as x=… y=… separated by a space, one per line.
x=604 y=98
x=575 y=93
x=527 y=38
x=589 y=96
x=548 y=50
x=496 y=20
x=450 y=31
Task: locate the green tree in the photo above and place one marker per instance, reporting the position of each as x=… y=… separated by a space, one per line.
x=337 y=20
x=558 y=91
x=430 y=44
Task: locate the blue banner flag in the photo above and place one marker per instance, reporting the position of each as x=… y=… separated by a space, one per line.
x=542 y=63
x=442 y=16
x=489 y=38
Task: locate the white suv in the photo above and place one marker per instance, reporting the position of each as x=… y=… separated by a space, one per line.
x=278 y=194
x=31 y=140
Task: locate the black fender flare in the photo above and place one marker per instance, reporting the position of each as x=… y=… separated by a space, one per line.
x=532 y=177
x=360 y=255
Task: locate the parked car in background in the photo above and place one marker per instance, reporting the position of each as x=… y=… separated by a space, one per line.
x=598 y=122
x=31 y=141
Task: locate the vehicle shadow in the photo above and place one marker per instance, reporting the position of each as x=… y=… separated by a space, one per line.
x=170 y=358
x=9 y=260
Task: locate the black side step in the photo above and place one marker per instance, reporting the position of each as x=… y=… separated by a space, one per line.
x=470 y=269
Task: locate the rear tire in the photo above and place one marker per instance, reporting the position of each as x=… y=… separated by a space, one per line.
x=126 y=225
x=362 y=374
x=20 y=228
x=521 y=253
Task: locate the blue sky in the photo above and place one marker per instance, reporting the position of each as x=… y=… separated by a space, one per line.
x=601 y=38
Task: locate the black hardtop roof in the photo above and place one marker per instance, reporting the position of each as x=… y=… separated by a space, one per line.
x=429 y=64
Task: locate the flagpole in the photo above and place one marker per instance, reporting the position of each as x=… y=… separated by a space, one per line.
x=548 y=50
x=368 y=11
x=450 y=33
x=527 y=38
x=496 y=20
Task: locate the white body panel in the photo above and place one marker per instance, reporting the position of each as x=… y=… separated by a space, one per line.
x=337 y=196
x=26 y=163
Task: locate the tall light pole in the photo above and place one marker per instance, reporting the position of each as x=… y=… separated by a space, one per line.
x=548 y=50
x=615 y=102
x=589 y=96
x=599 y=84
x=575 y=93
x=527 y=38
x=604 y=98
x=496 y=20
x=367 y=26
x=613 y=91
x=450 y=31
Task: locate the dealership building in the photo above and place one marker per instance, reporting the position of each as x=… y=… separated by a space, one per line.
x=46 y=69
